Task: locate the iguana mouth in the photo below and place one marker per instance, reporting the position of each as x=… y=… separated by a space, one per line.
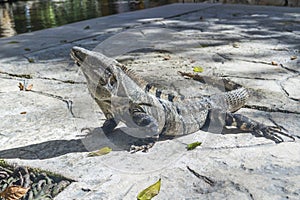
x=82 y=57
x=78 y=55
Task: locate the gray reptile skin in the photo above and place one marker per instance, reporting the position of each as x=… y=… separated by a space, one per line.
x=124 y=96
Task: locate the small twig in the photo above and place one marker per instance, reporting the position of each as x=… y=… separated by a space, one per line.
x=67 y=101
x=26 y=76
x=266 y=109
x=204 y=178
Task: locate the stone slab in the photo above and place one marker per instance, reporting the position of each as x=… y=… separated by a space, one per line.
x=56 y=124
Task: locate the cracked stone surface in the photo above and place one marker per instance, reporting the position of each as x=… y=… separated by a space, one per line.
x=55 y=124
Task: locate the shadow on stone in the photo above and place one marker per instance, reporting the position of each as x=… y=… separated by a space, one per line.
x=94 y=140
x=44 y=150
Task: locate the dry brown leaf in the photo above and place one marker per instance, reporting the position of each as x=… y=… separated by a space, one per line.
x=274 y=63
x=21 y=86
x=14 y=192
x=29 y=87
x=167 y=57
x=293 y=57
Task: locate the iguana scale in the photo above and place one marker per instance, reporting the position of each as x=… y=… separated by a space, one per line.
x=124 y=96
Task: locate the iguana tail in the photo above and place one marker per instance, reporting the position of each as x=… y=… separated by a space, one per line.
x=230 y=101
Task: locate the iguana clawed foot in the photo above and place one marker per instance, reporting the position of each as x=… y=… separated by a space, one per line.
x=273 y=133
x=142 y=145
x=143 y=148
x=258 y=129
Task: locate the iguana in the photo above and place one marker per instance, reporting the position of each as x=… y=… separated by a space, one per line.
x=124 y=96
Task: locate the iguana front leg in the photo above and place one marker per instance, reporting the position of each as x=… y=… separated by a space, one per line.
x=257 y=129
x=143 y=120
x=109 y=125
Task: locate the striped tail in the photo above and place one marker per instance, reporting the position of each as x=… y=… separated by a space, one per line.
x=230 y=101
x=236 y=99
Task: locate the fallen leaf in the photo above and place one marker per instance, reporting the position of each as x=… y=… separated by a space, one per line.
x=87 y=27
x=168 y=57
x=198 y=69
x=21 y=86
x=274 y=63
x=235 y=45
x=13 y=42
x=86 y=189
x=150 y=191
x=203 y=45
x=293 y=57
x=14 y=192
x=23 y=113
x=31 y=60
x=100 y=152
x=29 y=87
x=193 y=145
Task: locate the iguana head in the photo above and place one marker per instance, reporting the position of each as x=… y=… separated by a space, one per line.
x=99 y=70
x=117 y=90
x=105 y=76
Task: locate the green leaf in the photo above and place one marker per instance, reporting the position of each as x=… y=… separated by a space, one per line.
x=13 y=42
x=193 y=145
x=100 y=152
x=150 y=191
x=203 y=45
x=198 y=69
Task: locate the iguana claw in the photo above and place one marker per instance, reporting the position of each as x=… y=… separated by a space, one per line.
x=270 y=132
x=143 y=148
x=143 y=145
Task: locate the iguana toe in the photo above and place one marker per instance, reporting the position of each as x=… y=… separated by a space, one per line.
x=273 y=133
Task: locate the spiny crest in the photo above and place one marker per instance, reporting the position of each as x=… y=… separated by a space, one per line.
x=129 y=72
x=148 y=87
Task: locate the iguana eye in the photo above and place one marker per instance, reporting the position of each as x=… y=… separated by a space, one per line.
x=110 y=77
x=107 y=72
x=112 y=80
